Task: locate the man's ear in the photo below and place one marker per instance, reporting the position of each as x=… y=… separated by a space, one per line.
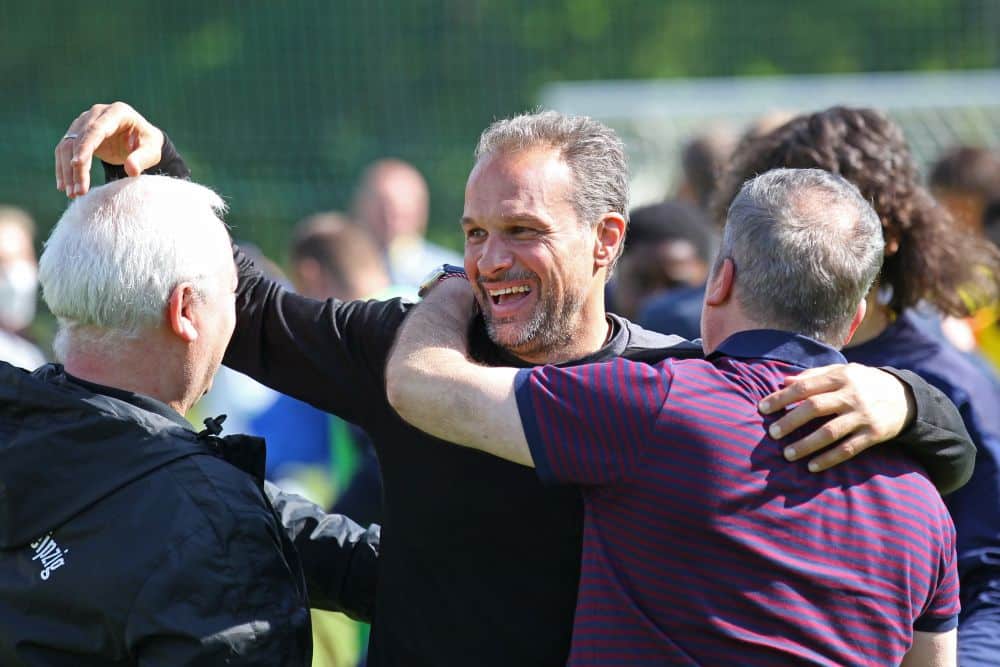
x=720 y=283
x=180 y=315
x=608 y=238
x=859 y=316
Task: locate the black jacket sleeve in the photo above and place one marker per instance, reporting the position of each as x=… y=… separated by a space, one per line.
x=937 y=438
x=339 y=557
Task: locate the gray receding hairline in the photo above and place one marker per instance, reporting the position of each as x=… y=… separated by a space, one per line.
x=806 y=246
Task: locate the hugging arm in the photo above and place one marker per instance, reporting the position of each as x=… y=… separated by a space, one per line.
x=869 y=406
x=433 y=385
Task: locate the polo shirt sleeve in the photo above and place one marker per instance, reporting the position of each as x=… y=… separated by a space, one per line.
x=589 y=424
x=941 y=612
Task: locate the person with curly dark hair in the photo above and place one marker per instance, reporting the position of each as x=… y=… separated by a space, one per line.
x=928 y=260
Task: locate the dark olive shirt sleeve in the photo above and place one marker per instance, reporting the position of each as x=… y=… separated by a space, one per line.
x=937 y=438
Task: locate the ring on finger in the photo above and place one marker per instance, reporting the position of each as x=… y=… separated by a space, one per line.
x=69 y=135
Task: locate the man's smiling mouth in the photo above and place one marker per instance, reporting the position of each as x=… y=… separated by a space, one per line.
x=499 y=295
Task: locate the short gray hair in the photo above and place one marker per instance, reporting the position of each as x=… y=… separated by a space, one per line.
x=117 y=252
x=594 y=153
x=806 y=247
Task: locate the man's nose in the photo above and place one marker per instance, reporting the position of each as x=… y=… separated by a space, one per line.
x=494 y=258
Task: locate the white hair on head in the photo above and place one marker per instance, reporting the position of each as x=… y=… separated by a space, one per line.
x=117 y=253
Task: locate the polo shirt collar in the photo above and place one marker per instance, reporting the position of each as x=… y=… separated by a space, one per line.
x=780 y=346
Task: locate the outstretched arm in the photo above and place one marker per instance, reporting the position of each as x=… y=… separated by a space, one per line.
x=433 y=385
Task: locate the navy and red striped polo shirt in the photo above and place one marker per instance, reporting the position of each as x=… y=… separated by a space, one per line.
x=703 y=546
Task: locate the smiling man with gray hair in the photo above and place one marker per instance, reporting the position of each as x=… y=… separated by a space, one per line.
x=701 y=544
x=126 y=538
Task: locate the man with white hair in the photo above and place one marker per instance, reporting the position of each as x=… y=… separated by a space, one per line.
x=126 y=537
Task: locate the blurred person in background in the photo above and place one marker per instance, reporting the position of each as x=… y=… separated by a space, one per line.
x=927 y=260
x=991 y=222
x=669 y=246
x=18 y=288
x=392 y=202
x=966 y=180
x=546 y=208
x=703 y=159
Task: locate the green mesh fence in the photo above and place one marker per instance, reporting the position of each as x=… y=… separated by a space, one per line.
x=279 y=105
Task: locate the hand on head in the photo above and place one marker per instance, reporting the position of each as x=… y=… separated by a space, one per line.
x=115 y=133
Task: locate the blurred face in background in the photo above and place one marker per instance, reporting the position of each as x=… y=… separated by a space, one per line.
x=393 y=202
x=18 y=277
x=528 y=256
x=966 y=208
x=653 y=267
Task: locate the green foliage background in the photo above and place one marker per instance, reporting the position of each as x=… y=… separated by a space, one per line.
x=278 y=105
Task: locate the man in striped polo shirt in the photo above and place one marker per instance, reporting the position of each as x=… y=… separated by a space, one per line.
x=702 y=545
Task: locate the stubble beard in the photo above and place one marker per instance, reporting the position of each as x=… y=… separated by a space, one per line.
x=549 y=329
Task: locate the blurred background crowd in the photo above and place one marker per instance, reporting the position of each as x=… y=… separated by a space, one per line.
x=341 y=135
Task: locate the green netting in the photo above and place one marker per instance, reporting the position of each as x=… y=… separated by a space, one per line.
x=278 y=105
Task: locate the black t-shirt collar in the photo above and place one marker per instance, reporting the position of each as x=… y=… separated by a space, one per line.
x=488 y=352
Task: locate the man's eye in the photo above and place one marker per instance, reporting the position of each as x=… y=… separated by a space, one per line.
x=473 y=234
x=521 y=231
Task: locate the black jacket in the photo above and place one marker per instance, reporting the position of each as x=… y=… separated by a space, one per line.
x=128 y=539
x=480 y=561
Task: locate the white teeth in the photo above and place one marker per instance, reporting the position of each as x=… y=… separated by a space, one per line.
x=510 y=290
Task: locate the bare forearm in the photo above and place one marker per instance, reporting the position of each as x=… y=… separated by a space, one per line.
x=932 y=649
x=434 y=386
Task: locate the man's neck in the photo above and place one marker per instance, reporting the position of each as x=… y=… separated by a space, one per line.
x=877 y=319
x=591 y=339
x=129 y=371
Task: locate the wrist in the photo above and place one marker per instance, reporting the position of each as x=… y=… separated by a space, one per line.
x=438 y=275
